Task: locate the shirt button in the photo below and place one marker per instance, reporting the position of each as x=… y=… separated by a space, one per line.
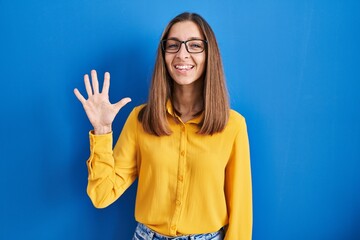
x=182 y=128
x=173 y=227
x=182 y=153
x=178 y=202
x=181 y=178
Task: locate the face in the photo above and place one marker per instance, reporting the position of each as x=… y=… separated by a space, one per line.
x=185 y=68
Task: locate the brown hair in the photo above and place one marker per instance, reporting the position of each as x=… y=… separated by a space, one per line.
x=216 y=103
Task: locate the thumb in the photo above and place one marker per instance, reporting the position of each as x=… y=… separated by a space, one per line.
x=122 y=103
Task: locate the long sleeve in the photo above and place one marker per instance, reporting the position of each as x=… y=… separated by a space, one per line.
x=238 y=189
x=111 y=172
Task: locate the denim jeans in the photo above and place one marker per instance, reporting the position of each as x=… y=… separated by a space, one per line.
x=144 y=233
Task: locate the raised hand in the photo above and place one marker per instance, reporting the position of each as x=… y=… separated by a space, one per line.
x=98 y=108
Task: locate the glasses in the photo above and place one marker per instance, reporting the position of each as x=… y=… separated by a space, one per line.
x=192 y=46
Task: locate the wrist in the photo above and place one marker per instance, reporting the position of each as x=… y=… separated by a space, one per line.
x=102 y=130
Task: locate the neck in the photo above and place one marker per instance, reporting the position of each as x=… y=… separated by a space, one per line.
x=188 y=99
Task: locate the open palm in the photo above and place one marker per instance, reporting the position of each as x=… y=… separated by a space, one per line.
x=98 y=108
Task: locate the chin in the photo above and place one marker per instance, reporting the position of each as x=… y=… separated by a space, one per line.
x=185 y=82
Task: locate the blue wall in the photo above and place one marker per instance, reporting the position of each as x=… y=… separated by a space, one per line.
x=292 y=69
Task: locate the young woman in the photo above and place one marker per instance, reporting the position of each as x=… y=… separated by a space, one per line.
x=188 y=150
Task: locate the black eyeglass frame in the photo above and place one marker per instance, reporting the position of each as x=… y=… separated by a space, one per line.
x=183 y=42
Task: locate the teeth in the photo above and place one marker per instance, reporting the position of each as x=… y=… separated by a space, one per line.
x=183 y=67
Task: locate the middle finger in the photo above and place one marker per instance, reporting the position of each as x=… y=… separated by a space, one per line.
x=95 y=82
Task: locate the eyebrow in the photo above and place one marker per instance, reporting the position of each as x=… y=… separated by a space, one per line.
x=192 y=38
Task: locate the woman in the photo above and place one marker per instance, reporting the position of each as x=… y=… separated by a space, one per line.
x=188 y=150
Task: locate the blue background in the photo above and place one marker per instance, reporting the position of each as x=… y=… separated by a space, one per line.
x=292 y=69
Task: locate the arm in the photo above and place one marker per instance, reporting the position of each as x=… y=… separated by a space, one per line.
x=112 y=172
x=109 y=174
x=238 y=188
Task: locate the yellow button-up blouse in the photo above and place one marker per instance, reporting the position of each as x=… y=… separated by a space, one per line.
x=187 y=183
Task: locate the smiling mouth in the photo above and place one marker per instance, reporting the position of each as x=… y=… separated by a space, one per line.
x=184 y=67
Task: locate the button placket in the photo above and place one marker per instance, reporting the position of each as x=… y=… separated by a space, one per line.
x=180 y=180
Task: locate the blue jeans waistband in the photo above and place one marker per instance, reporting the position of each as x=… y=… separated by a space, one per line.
x=142 y=232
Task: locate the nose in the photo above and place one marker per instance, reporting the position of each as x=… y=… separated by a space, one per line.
x=182 y=53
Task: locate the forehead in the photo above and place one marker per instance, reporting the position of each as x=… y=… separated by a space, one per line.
x=185 y=30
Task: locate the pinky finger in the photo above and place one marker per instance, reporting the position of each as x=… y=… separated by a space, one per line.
x=79 y=96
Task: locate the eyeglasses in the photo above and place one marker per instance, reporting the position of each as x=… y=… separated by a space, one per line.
x=192 y=46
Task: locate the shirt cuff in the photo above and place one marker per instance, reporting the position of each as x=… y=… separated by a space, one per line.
x=101 y=143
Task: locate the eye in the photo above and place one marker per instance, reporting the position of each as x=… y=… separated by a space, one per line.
x=172 y=45
x=196 y=45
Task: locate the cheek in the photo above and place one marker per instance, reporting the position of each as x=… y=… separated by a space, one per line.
x=168 y=60
x=201 y=62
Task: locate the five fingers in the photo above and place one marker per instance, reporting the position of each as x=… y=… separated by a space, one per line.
x=95 y=88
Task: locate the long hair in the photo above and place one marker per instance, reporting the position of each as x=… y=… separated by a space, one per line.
x=216 y=104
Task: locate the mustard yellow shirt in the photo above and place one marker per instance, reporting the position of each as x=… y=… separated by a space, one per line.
x=187 y=183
